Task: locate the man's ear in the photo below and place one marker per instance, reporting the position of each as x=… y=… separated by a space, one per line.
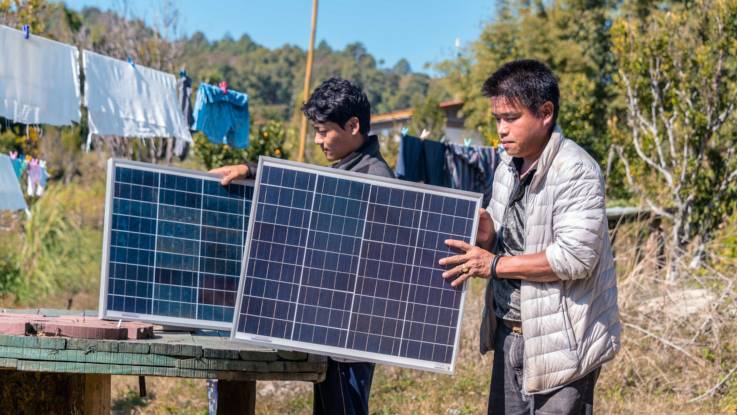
x=546 y=111
x=353 y=125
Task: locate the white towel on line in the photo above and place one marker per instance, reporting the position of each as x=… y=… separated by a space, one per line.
x=39 y=80
x=131 y=101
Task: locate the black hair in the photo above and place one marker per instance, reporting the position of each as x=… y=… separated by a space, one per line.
x=337 y=100
x=526 y=82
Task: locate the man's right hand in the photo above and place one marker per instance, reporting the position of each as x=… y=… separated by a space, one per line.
x=230 y=173
x=486 y=235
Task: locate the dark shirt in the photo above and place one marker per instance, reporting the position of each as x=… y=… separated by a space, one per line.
x=367 y=159
x=512 y=243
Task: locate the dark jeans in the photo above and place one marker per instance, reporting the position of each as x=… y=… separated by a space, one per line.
x=345 y=390
x=506 y=397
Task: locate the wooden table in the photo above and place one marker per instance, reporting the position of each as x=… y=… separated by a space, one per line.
x=69 y=376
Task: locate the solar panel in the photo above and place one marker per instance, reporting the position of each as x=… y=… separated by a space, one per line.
x=346 y=264
x=172 y=245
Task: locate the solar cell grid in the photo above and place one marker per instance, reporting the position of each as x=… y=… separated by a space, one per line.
x=173 y=245
x=346 y=265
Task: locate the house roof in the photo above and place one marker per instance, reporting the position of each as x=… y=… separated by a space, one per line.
x=405 y=114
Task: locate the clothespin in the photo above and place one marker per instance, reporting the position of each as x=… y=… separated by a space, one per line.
x=467 y=141
x=223 y=87
x=425 y=133
x=182 y=72
x=13 y=155
x=130 y=60
x=404 y=131
x=26 y=31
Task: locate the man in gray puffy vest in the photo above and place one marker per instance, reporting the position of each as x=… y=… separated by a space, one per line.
x=551 y=313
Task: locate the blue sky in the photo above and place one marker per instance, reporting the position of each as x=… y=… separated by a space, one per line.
x=420 y=31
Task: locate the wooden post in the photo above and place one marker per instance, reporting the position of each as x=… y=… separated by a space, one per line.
x=63 y=393
x=308 y=76
x=96 y=394
x=236 y=397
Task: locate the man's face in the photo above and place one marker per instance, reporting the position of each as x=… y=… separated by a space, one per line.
x=522 y=133
x=338 y=142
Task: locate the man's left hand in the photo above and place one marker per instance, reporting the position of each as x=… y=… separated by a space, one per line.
x=474 y=262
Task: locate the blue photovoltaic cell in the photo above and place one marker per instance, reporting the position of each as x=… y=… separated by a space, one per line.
x=353 y=264
x=175 y=245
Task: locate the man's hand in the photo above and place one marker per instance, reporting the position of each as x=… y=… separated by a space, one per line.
x=230 y=173
x=474 y=262
x=486 y=235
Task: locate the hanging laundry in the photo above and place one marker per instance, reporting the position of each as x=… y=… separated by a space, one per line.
x=127 y=100
x=17 y=164
x=436 y=172
x=11 y=195
x=34 y=177
x=411 y=159
x=472 y=168
x=422 y=161
x=40 y=80
x=44 y=177
x=222 y=115
x=184 y=93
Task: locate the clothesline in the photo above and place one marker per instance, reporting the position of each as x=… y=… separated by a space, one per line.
x=457 y=166
x=42 y=86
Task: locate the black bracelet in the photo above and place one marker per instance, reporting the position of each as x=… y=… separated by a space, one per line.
x=493 y=266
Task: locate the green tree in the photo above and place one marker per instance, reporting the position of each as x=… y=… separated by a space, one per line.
x=427 y=115
x=572 y=37
x=678 y=70
x=267 y=139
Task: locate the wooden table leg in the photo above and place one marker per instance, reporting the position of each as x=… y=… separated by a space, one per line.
x=96 y=394
x=236 y=397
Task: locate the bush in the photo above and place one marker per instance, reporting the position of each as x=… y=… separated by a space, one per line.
x=60 y=252
x=267 y=139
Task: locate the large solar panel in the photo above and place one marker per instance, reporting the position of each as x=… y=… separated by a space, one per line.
x=172 y=245
x=346 y=264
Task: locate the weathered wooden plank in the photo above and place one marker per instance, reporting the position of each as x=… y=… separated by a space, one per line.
x=108 y=346
x=92 y=345
x=126 y=370
x=225 y=365
x=220 y=354
x=173 y=349
x=80 y=356
x=134 y=347
x=264 y=367
x=7 y=363
x=290 y=355
x=33 y=342
x=258 y=356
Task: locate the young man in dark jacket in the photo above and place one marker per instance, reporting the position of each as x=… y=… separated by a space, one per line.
x=341 y=115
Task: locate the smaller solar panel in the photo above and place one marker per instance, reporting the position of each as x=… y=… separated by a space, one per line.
x=346 y=264
x=172 y=245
